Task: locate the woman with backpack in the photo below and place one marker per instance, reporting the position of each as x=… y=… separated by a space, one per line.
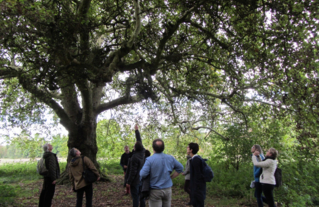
x=257 y=172
x=267 y=177
x=75 y=174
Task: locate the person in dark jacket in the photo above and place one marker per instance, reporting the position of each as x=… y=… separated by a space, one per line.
x=124 y=162
x=77 y=181
x=48 y=189
x=197 y=182
x=133 y=171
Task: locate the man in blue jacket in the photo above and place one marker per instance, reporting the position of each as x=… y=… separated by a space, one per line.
x=160 y=167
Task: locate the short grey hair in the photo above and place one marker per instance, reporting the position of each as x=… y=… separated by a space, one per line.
x=46 y=147
x=72 y=152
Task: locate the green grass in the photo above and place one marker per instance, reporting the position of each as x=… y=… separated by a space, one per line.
x=228 y=188
x=111 y=166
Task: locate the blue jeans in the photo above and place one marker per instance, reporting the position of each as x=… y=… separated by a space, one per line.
x=135 y=192
x=259 y=194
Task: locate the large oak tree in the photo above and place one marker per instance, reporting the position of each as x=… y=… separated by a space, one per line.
x=80 y=58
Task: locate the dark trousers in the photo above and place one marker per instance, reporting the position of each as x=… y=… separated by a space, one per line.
x=198 y=202
x=88 y=195
x=268 y=192
x=47 y=193
x=127 y=189
x=187 y=187
x=198 y=194
x=135 y=191
x=259 y=194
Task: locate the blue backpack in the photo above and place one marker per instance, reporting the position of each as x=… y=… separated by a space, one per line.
x=208 y=173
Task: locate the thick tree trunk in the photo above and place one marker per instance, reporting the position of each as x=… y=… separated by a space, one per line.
x=84 y=139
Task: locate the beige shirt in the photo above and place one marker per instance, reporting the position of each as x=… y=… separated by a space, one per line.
x=269 y=166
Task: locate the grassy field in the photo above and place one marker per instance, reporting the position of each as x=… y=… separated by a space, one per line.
x=20 y=185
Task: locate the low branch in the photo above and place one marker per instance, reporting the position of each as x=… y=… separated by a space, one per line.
x=46 y=98
x=118 y=102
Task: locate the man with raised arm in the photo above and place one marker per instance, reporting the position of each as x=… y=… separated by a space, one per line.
x=135 y=165
x=160 y=167
x=48 y=188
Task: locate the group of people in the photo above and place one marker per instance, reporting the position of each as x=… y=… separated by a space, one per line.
x=157 y=171
x=264 y=170
x=76 y=166
x=154 y=174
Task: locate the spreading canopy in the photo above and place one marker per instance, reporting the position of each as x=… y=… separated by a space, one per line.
x=83 y=57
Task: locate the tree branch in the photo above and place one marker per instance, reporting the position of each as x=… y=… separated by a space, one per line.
x=117 y=102
x=223 y=45
x=45 y=98
x=115 y=57
x=202 y=127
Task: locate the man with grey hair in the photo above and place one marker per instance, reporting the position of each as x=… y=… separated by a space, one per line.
x=48 y=188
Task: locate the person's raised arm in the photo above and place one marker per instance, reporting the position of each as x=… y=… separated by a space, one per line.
x=137 y=134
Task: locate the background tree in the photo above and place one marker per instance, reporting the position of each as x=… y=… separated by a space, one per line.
x=81 y=58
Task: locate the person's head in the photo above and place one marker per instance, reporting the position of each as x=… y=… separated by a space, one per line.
x=127 y=149
x=192 y=148
x=272 y=152
x=147 y=153
x=47 y=147
x=138 y=146
x=256 y=147
x=74 y=152
x=158 y=145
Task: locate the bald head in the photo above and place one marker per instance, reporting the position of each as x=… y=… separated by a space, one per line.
x=158 y=145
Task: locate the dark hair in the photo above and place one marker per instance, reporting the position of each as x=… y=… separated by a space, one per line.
x=158 y=147
x=147 y=153
x=194 y=147
x=73 y=152
x=138 y=146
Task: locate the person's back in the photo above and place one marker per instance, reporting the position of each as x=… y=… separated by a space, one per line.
x=160 y=166
x=49 y=180
x=135 y=164
x=197 y=182
x=52 y=165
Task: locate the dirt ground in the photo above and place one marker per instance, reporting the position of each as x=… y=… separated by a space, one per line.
x=110 y=194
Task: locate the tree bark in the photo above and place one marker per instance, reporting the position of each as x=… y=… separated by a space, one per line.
x=83 y=137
